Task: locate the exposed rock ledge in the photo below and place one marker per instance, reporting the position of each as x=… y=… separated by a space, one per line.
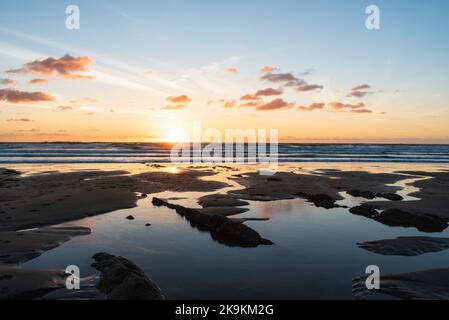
x=122 y=280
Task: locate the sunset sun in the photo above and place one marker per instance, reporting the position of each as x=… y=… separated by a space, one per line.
x=176 y=135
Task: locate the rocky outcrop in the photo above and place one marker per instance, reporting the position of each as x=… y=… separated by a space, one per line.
x=365 y=210
x=121 y=279
x=221 y=228
x=371 y=195
x=320 y=200
x=399 y=218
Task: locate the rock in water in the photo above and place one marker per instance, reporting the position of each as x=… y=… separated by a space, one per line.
x=390 y=196
x=365 y=210
x=221 y=228
x=406 y=246
x=320 y=200
x=121 y=279
x=430 y=284
x=362 y=194
x=130 y=217
x=399 y=218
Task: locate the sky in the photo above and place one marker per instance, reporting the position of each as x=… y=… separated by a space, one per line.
x=147 y=70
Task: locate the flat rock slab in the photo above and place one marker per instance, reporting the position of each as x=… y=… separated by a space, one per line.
x=399 y=218
x=223 y=211
x=406 y=246
x=19 y=283
x=20 y=246
x=432 y=284
x=221 y=200
x=422 y=222
x=121 y=279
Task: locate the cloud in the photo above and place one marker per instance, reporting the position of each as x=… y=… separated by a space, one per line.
x=15 y=96
x=313 y=106
x=249 y=97
x=229 y=104
x=358 y=107
x=290 y=80
x=231 y=70
x=250 y=104
x=65 y=66
x=279 y=77
x=64 y=108
x=19 y=120
x=265 y=69
x=361 y=87
x=335 y=105
x=361 y=111
x=308 y=87
x=38 y=81
x=269 y=92
x=7 y=81
x=174 y=107
x=359 y=91
x=274 y=105
x=179 y=99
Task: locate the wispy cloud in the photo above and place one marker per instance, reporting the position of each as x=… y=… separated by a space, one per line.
x=275 y=105
x=312 y=106
x=64 y=108
x=269 y=92
x=8 y=81
x=38 y=81
x=359 y=91
x=67 y=67
x=230 y=70
x=174 y=107
x=16 y=96
x=19 y=120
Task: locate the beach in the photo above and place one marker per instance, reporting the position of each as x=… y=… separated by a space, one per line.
x=215 y=231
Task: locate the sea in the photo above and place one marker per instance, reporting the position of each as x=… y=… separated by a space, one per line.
x=101 y=152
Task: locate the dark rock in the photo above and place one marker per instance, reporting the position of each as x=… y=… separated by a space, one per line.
x=406 y=246
x=320 y=200
x=121 y=279
x=11 y=172
x=130 y=217
x=147 y=224
x=274 y=179
x=365 y=210
x=371 y=195
x=362 y=194
x=422 y=222
x=390 y=196
x=431 y=284
x=222 y=229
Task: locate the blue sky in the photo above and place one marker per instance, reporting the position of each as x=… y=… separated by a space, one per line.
x=186 y=43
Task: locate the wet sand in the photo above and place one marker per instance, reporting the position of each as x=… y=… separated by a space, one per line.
x=38 y=199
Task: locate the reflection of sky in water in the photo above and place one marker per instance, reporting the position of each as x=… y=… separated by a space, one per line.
x=314 y=256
